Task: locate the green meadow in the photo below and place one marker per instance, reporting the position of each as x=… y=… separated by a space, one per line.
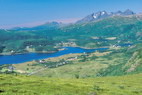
x=32 y=85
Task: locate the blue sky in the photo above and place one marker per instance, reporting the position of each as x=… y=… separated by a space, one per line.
x=33 y=12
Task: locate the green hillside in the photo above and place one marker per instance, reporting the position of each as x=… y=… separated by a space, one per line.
x=114 y=64
x=25 y=85
x=132 y=66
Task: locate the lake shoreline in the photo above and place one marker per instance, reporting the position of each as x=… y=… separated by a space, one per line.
x=47 y=52
x=21 y=58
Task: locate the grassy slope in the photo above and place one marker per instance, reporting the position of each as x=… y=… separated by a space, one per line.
x=132 y=66
x=119 y=62
x=24 y=85
x=96 y=64
x=86 y=69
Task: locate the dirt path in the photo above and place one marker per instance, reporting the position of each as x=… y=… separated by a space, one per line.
x=37 y=71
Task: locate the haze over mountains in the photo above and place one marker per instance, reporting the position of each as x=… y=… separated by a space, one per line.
x=48 y=25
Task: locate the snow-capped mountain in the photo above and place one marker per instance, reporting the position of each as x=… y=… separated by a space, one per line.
x=104 y=14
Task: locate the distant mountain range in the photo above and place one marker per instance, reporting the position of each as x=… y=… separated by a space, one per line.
x=92 y=17
x=48 y=25
x=103 y=14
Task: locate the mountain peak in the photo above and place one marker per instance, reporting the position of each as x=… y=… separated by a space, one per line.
x=52 y=23
x=128 y=12
x=94 y=16
x=103 y=14
x=118 y=12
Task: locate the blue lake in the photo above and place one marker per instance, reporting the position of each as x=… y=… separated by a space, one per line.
x=125 y=45
x=20 y=58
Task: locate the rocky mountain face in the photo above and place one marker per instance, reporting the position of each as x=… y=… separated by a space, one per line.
x=103 y=14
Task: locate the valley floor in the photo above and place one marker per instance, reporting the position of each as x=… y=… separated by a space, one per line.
x=31 y=85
